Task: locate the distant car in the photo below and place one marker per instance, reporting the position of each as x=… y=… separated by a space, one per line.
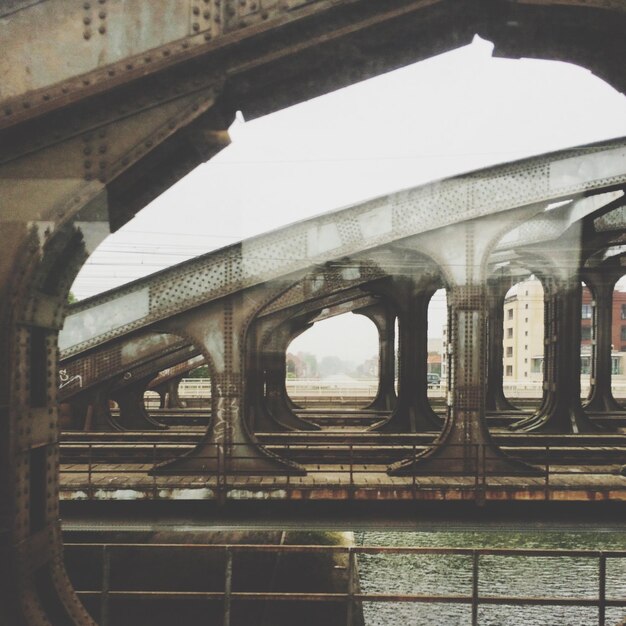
x=434 y=380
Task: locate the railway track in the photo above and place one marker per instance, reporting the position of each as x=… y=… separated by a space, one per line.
x=339 y=447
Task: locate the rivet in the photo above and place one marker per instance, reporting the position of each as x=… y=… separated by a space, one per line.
x=65 y=89
x=196 y=26
x=111 y=72
x=87 y=164
x=102 y=149
x=102 y=1
x=207 y=36
x=102 y=30
x=46 y=96
x=264 y=15
x=129 y=66
x=185 y=44
x=147 y=59
x=87 y=34
x=86 y=6
x=206 y=15
x=166 y=53
x=86 y=81
x=196 y=11
x=86 y=20
x=102 y=14
x=26 y=105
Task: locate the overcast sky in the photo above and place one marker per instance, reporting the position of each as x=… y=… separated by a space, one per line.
x=453 y=113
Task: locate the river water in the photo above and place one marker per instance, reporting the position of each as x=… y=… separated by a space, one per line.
x=522 y=576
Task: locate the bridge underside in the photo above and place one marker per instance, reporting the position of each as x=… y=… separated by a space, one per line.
x=88 y=139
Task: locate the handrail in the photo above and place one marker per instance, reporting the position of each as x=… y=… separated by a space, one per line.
x=351 y=596
x=223 y=476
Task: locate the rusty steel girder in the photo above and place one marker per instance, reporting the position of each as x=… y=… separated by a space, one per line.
x=99 y=116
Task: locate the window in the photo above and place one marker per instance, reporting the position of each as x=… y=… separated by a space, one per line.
x=623 y=333
x=510 y=314
x=585 y=333
x=526 y=347
x=616 y=365
x=526 y=320
x=509 y=333
x=526 y=306
x=525 y=333
x=509 y=370
x=526 y=292
x=623 y=312
x=536 y=365
x=525 y=360
x=525 y=374
x=509 y=351
x=587 y=312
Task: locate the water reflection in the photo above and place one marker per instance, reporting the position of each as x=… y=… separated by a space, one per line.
x=499 y=576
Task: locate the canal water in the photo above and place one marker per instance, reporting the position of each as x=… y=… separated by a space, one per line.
x=507 y=576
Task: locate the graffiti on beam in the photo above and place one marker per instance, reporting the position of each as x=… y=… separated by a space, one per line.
x=65 y=380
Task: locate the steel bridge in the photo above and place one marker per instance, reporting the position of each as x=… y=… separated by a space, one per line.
x=105 y=104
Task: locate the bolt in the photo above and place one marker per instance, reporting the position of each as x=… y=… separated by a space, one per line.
x=196 y=26
x=196 y=11
x=86 y=20
x=102 y=30
x=102 y=14
x=87 y=34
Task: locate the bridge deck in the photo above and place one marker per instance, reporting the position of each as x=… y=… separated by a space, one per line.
x=581 y=483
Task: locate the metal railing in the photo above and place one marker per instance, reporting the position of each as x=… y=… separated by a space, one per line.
x=351 y=597
x=343 y=466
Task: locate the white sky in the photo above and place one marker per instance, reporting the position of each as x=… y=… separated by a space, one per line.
x=456 y=112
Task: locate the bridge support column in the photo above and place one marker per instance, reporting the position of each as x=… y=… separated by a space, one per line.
x=383 y=316
x=495 y=399
x=274 y=358
x=602 y=285
x=168 y=394
x=270 y=407
x=561 y=410
x=133 y=412
x=228 y=447
x=97 y=412
x=412 y=412
x=465 y=445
